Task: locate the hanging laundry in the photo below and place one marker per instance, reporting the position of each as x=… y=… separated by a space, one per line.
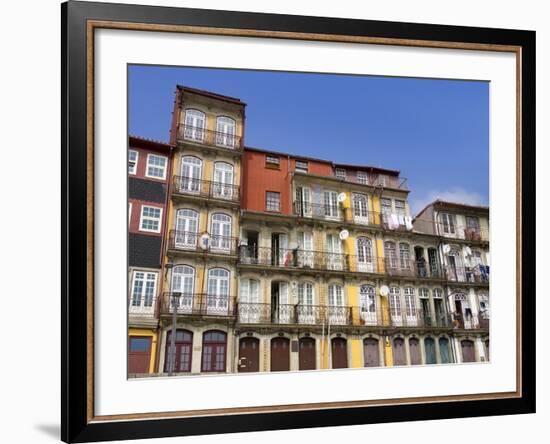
x=393 y=222
x=408 y=223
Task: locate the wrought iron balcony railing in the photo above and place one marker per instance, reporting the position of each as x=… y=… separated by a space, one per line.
x=398 y=266
x=193 y=241
x=201 y=135
x=206 y=189
x=202 y=304
x=262 y=313
x=470 y=321
x=318 y=211
x=477 y=274
x=293 y=258
x=462 y=232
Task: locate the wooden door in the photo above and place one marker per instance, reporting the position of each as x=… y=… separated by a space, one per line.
x=414 y=348
x=307 y=354
x=399 y=356
x=339 y=353
x=139 y=354
x=429 y=347
x=468 y=352
x=371 y=352
x=249 y=355
x=280 y=355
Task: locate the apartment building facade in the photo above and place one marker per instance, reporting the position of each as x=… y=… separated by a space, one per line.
x=277 y=262
x=148 y=173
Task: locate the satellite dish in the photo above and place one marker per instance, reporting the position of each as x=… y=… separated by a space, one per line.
x=341 y=197
x=446 y=248
x=204 y=241
x=384 y=290
x=344 y=234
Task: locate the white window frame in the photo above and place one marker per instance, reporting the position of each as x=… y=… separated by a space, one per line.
x=301 y=167
x=449 y=217
x=341 y=173
x=141 y=219
x=156 y=166
x=267 y=200
x=272 y=160
x=141 y=308
x=362 y=177
x=133 y=171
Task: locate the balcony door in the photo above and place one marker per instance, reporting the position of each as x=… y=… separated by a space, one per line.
x=195 y=122
x=330 y=199
x=337 y=309
x=182 y=288
x=410 y=307
x=249 y=301
x=220 y=230
x=360 y=209
x=395 y=306
x=280 y=254
x=365 y=262
x=280 y=308
x=334 y=253
x=223 y=180
x=305 y=245
x=367 y=300
x=305 y=308
x=187 y=225
x=191 y=172
x=456 y=269
x=225 y=132
x=303 y=202
x=217 y=299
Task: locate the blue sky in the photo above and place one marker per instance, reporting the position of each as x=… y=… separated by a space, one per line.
x=435 y=131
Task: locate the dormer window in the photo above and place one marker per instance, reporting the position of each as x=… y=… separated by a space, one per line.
x=301 y=166
x=362 y=177
x=272 y=161
x=341 y=173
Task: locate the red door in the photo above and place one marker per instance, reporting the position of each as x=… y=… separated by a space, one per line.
x=468 y=352
x=280 y=355
x=139 y=354
x=307 y=354
x=249 y=355
x=370 y=350
x=339 y=353
x=399 y=356
x=414 y=348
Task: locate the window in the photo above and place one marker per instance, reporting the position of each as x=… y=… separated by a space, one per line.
x=385 y=205
x=330 y=199
x=404 y=256
x=195 y=122
x=400 y=209
x=272 y=201
x=448 y=221
x=301 y=166
x=341 y=173
x=395 y=305
x=214 y=347
x=144 y=287
x=362 y=177
x=360 y=208
x=272 y=161
x=335 y=295
x=217 y=298
x=191 y=171
x=424 y=293
x=220 y=232
x=365 y=261
x=367 y=302
x=156 y=166
x=410 y=303
x=391 y=255
x=150 y=219
x=223 y=180
x=132 y=161
x=183 y=282
x=437 y=293
x=184 y=344
x=139 y=344
x=249 y=298
x=187 y=224
x=472 y=223
x=225 y=132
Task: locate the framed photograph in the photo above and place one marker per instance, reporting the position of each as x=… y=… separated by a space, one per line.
x=275 y=222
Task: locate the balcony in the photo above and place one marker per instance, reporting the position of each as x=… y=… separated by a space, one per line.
x=369 y=218
x=463 y=233
x=195 y=134
x=206 y=189
x=318 y=211
x=196 y=304
x=470 y=321
x=478 y=274
x=287 y=314
x=410 y=268
x=190 y=241
x=293 y=258
x=293 y=314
